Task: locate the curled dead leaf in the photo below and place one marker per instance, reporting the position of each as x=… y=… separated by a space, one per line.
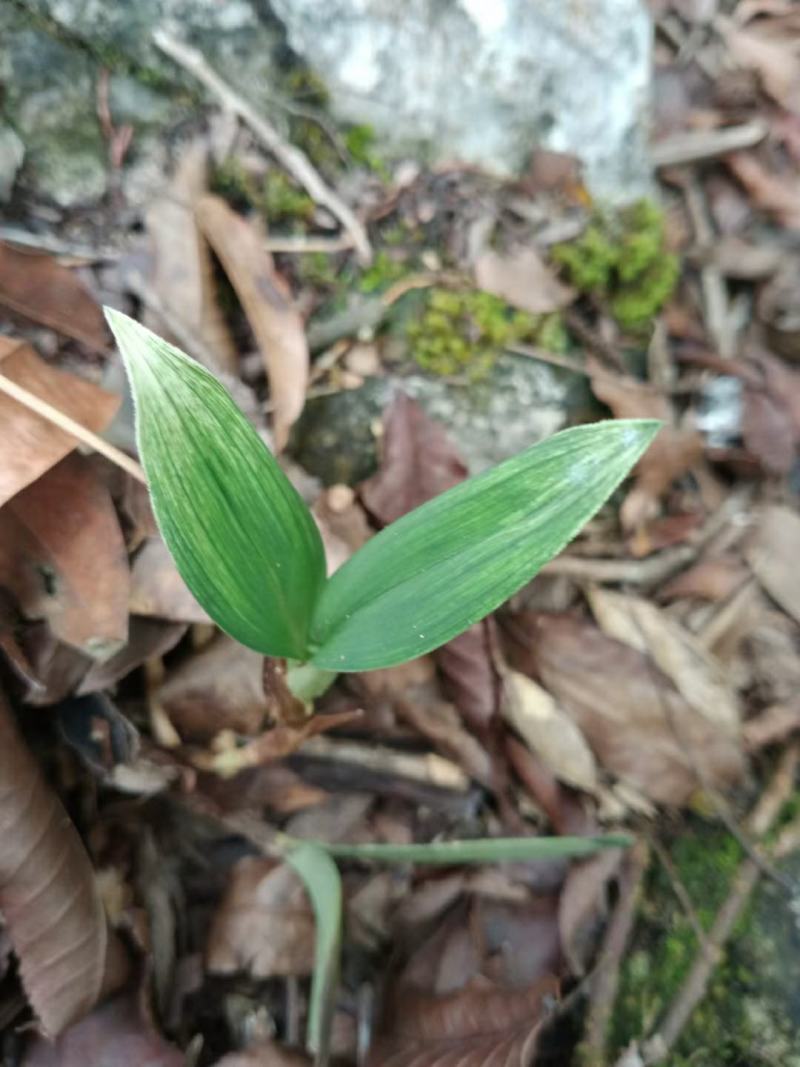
x=266 y=299
x=48 y=896
x=63 y=555
x=30 y=445
x=264 y=924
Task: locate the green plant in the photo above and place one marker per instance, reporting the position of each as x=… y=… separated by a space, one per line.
x=249 y=550
x=623 y=258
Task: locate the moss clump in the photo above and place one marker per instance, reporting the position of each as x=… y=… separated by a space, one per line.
x=384 y=271
x=462 y=333
x=745 y=1017
x=275 y=196
x=623 y=259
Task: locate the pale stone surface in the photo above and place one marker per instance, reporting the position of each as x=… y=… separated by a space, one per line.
x=486 y=80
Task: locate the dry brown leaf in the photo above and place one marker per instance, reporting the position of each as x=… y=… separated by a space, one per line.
x=181 y=272
x=441 y=724
x=771 y=47
x=548 y=731
x=264 y=1055
x=264 y=924
x=29 y=444
x=419 y=461
x=777 y=194
x=474 y=1027
x=267 y=302
x=771 y=726
x=147 y=639
x=114 y=1035
x=36 y=286
x=774 y=554
x=219 y=688
x=639 y=727
x=48 y=896
x=694 y=672
x=714 y=578
x=771 y=411
x=522 y=279
x=467 y=666
x=583 y=905
x=158 y=590
x=670 y=455
x=63 y=556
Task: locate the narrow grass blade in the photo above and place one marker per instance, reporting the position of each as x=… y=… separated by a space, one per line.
x=447 y=564
x=320 y=876
x=243 y=540
x=489 y=850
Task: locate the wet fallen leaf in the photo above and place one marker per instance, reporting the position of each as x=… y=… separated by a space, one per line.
x=219 y=688
x=181 y=272
x=583 y=906
x=714 y=578
x=264 y=924
x=470 y=677
x=769 y=46
x=522 y=279
x=52 y=909
x=773 y=555
x=674 y=451
x=473 y=1027
x=158 y=590
x=30 y=445
x=694 y=672
x=63 y=556
x=771 y=412
x=36 y=286
x=638 y=725
x=267 y=302
x=548 y=731
x=115 y=1035
x=776 y=194
x=418 y=462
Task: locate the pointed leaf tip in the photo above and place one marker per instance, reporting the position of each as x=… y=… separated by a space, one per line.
x=427 y=577
x=242 y=539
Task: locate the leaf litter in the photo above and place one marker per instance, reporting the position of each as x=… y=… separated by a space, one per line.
x=654 y=676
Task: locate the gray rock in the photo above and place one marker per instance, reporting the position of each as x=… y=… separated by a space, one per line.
x=12 y=153
x=486 y=80
x=52 y=52
x=518 y=404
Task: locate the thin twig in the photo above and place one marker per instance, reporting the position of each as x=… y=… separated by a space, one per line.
x=605 y=980
x=641 y=572
x=691 y=146
x=694 y=987
x=295 y=161
x=715 y=289
x=71 y=427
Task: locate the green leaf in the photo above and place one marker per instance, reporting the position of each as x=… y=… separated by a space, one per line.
x=482 y=850
x=447 y=564
x=323 y=885
x=241 y=537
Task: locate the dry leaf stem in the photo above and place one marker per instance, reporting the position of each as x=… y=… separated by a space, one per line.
x=295 y=161
x=71 y=427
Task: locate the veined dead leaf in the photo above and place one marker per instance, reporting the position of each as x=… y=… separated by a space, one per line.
x=674 y=451
x=157 y=588
x=548 y=730
x=773 y=556
x=267 y=302
x=48 y=895
x=638 y=725
x=114 y=1035
x=264 y=924
x=694 y=672
x=36 y=286
x=418 y=463
x=181 y=271
x=472 y=1027
x=30 y=445
x=522 y=279
x=63 y=555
